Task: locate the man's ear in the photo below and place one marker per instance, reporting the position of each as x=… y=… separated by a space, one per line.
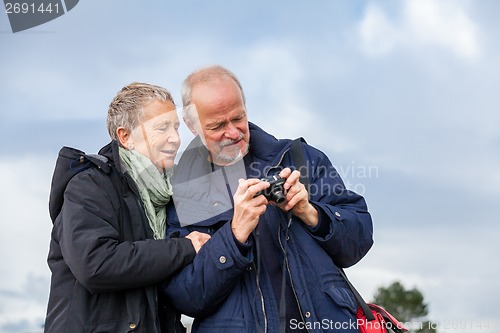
x=124 y=138
x=190 y=125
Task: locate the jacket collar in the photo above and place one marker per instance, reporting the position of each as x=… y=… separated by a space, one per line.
x=111 y=152
x=265 y=147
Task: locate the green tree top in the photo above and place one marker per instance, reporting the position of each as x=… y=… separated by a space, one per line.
x=406 y=305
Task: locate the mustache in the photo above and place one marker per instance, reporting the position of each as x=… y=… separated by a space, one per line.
x=228 y=142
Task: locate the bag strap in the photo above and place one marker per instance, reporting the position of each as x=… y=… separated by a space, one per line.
x=300 y=164
x=366 y=309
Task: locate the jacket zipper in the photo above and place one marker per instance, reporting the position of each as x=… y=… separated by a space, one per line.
x=290 y=276
x=261 y=297
x=144 y=224
x=280 y=160
x=257 y=280
x=283 y=250
x=284 y=254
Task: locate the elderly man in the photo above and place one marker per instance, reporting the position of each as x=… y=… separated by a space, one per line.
x=268 y=267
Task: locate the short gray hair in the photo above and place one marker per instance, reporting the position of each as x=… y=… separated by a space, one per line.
x=205 y=75
x=127 y=107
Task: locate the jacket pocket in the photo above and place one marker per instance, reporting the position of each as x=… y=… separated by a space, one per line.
x=342 y=297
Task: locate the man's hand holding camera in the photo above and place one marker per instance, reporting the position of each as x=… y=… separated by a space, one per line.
x=248 y=207
x=253 y=196
x=297 y=198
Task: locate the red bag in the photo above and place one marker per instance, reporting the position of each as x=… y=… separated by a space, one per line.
x=382 y=321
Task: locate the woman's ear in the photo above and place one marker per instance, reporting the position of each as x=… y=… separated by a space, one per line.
x=124 y=138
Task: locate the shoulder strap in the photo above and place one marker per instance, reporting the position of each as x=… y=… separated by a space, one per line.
x=300 y=164
x=366 y=309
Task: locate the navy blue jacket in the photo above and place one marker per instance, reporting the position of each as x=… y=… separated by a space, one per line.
x=225 y=288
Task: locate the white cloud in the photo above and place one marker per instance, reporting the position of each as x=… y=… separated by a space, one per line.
x=443 y=23
x=378 y=35
x=421 y=24
x=24 y=240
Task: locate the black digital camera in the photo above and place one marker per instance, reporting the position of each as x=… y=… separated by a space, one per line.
x=275 y=192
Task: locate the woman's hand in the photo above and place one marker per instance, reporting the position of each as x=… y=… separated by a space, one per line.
x=198 y=239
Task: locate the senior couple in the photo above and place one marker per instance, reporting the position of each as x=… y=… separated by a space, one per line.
x=133 y=252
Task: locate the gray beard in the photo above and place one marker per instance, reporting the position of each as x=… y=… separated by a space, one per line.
x=230 y=159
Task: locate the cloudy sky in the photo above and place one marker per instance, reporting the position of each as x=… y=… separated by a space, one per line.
x=399 y=94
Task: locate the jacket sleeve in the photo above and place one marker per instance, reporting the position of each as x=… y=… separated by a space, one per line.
x=201 y=286
x=87 y=232
x=344 y=214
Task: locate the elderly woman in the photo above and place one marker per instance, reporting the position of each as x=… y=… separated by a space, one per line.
x=108 y=249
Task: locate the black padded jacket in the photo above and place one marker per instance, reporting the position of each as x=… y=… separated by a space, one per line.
x=104 y=261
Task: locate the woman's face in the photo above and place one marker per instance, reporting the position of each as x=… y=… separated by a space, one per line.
x=157 y=135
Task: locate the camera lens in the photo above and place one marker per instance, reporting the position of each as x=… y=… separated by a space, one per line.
x=278 y=196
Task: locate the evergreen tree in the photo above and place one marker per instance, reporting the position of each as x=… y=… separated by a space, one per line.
x=406 y=305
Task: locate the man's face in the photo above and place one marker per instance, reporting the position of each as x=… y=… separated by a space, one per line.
x=223 y=123
x=157 y=135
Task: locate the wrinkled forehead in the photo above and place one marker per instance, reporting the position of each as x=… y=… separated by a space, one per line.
x=216 y=103
x=216 y=93
x=152 y=120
